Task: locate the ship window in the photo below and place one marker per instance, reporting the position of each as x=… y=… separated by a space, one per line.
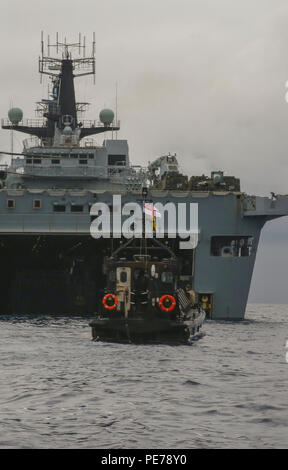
x=167 y=277
x=123 y=276
x=232 y=246
x=91 y=155
x=83 y=162
x=76 y=208
x=59 y=207
x=28 y=161
x=74 y=155
x=116 y=160
x=55 y=161
x=11 y=204
x=37 y=204
x=37 y=161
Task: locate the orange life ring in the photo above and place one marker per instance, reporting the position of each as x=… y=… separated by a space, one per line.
x=164 y=299
x=108 y=298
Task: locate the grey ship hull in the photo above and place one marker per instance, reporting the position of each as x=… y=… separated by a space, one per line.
x=51 y=264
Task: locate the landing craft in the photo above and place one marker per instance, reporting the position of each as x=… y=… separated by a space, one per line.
x=144 y=300
x=51 y=262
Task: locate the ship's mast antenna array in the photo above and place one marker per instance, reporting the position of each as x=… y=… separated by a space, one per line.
x=82 y=65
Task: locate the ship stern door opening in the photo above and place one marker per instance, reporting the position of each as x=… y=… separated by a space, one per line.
x=123 y=289
x=205 y=301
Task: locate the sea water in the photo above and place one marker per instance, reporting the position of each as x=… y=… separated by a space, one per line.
x=227 y=389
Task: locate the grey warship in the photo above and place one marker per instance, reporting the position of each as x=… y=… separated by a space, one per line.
x=50 y=262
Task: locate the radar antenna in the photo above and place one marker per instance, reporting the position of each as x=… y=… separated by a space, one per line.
x=81 y=64
x=62 y=62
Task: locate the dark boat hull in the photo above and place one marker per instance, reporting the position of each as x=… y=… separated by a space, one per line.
x=152 y=331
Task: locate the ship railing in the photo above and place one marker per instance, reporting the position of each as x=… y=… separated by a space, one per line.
x=119 y=174
x=36 y=122
x=136 y=181
x=32 y=142
x=42 y=123
x=7 y=122
x=47 y=106
x=139 y=169
x=90 y=123
x=64 y=172
x=89 y=143
x=26 y=123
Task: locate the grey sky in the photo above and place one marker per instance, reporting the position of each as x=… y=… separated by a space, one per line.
x=202 y=78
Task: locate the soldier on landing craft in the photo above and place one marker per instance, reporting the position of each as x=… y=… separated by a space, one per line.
x=190 y=294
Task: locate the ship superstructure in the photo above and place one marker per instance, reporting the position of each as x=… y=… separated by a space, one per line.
x=52 y=264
